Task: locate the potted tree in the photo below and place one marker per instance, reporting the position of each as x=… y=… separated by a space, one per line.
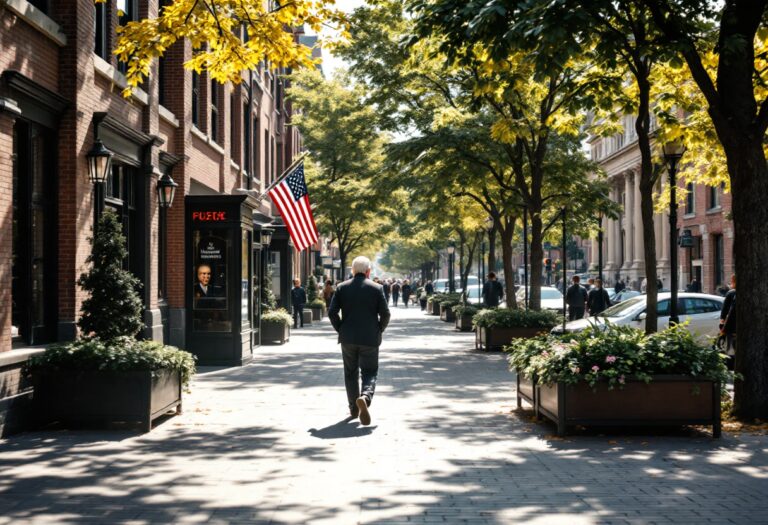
x=446 y=307
x=107 y=375
x=433 y=303
x=464 y=314
x=621 y=376
x=496 y=327
x=314 y=301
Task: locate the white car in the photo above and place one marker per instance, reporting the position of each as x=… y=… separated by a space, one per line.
x=701 y=311
x=442 y=285
x=475 y=296
x=551 y=298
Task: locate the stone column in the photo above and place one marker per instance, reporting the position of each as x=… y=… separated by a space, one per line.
x=639 y=256
x=610 y=238
x=629 y=200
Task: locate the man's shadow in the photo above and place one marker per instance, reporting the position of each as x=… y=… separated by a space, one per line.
x=346 y=428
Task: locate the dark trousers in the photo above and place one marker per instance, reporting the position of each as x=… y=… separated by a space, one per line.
x=575 y=312
x=360 y=360
x=395 y=297
x=298 y=315
x=405 y=300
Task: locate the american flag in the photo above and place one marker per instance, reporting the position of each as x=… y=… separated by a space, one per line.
x=292 y=200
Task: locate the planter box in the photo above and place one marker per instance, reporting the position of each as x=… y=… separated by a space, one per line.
x=447 y=315
x=526 y=389
x=423 y=303
x=307 y=316
x=433 y=308
x=666 y=400
x=496 y=338
x=317 y=314
x=104 y=396
x=464 y=323
x=275 y=333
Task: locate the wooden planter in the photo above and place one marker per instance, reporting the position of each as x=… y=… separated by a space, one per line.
x=666 y=400
x=447 y=314
x=104 y=397
x=317 y=313
x=433 y=308
x=496 y=338
x=526 y=389
x=307 y=313
x=274 y=333
x=464 y=323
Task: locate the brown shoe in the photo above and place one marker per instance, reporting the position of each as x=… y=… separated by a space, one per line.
x=362 y=406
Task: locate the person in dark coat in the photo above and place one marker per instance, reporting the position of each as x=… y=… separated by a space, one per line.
x=694 y=286
x=429 y=288
x=387 y=289
x=364 y=317
x=493 y=292
x=597 y=299
x=406 y=291
x=395 y=293
x=298 y=300
x=619 y=286
x=576 y=299
x=728 y=319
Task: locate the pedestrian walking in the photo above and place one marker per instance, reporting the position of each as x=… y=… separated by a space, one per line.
x=328 y=293
x=387 y=286
x=597 y=298
x=429 y=288
x=619 y=286
x=364 y=317
x=298 y=300
x=493 y=292
x=406 y=291
x=576 y=299
x=728 y=320
x=694 y=286
x=395 y=292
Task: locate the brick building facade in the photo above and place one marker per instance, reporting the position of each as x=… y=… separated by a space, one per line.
x=60 y=91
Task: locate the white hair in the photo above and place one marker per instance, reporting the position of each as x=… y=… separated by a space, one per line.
x=361 y=264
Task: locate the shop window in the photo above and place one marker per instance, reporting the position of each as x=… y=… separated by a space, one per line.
x=214 y=127
x=209 y=287
x=714 y=196
x=256 y=173
x=121 y=196
x=247 y=165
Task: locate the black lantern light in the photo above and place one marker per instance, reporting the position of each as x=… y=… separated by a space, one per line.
x=99 y=162
x=673 y=152
x=266 y=236
x=686 y=239
x=166 y=190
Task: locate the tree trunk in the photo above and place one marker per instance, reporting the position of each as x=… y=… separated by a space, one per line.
x=537 y=262
x=343 y=257
x=468 y=267
x=749 y=179
x=491 y=250
x=506 y=232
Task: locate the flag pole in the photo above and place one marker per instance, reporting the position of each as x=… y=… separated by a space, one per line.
x=282 y=175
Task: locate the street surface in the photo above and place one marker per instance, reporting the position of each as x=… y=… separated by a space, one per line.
x=271 y=443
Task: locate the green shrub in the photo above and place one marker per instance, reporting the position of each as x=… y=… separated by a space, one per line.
x=117 y=354
x=508 y=318
x=311 y=288
x=317 y=303
x=278 y=315
x=614 y=354
x=465 y=309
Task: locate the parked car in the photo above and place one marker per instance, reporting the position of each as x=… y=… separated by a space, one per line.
x=701 y=311
x=442 y=285
x=551 y=298
x=475 y=296
x=624 y=295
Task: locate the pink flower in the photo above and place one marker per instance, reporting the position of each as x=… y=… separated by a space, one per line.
x=621 y=379
x=595 y=368
x=545 y=354
x=610 y=359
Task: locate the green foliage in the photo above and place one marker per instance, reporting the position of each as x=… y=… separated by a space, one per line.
x=311 y=288
x=278 y=316
x=113 y=307
x=614 y=355
x=316 y=303
x=465 y=309
x=118 y=354
x=508 y=318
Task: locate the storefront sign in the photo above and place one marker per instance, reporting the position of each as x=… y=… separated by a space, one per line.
x=209 y=216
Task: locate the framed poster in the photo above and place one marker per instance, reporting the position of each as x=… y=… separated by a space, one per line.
x=210 y=291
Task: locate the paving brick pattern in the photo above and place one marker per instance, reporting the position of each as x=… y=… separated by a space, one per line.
x=270 y=443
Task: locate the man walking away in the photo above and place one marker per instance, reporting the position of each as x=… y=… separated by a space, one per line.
x=387 y=289
x=493 y=292
x=395 y=292
x=406 y=292
x=298 y=300
x=597 y=298
x=429 y=288
x=576 y=299
x=728 y=321
x=364 y=317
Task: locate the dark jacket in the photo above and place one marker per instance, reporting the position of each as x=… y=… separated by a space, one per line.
x=493 y=293
x=429 y=289
x=395 y=289
x=576 y=296
x=597 y=300
x=729 y=312
x=364 y=312
x=298 y=296
x=406 y=290
x=387 y=288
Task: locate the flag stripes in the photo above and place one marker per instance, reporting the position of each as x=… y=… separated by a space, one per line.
x=292 y=200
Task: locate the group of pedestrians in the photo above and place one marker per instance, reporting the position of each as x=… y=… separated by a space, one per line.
x=580 y=300
x=299 y=299
x=395 y=289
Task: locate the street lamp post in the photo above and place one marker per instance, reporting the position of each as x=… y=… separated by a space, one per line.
x=99 y=166
x=451 y=251
x=673 y=152
x=481 y=280
x=600 y=248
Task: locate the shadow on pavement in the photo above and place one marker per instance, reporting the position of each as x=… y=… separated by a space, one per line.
x=346 y=428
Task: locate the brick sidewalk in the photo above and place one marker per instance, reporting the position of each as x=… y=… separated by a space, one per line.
x=270 y=443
